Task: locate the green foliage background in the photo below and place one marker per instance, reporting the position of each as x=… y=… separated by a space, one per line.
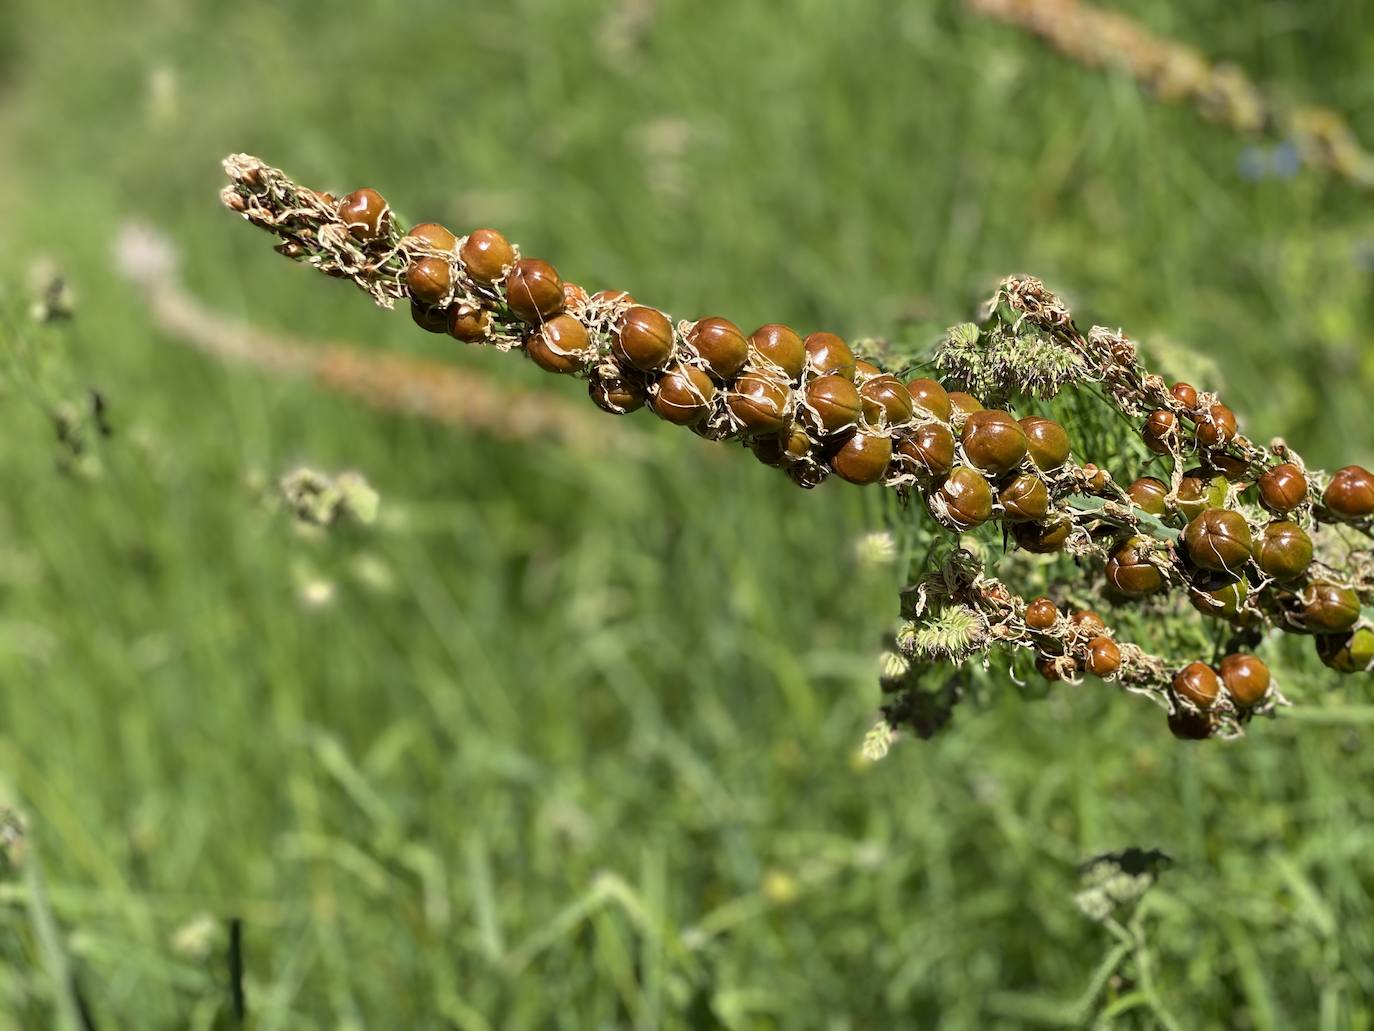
x=573 y=744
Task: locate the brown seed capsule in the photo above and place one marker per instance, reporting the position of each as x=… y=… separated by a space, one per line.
x=616 y=394
x=760 y=402
x=1130 y=571
x=1025 y=498
x=778 y=345
x=533 y=290
x=574 y=296
x=429 y=280
x=863 y=458
x=885 y=402
x=1198 y=492
x=994 y=441
x=1185 y=394
x=828 y=355
x=1219 y=540
x=683 y=395
x=432 y=320
x=554 y=346
x=1350 y=495
x=1217 y=427
x=1197 y=683
x=967 y=500
x=1041 y=614
x=612 y=297
x=1351 y=652
x=834 y=402
x=721 y=345
x=1246 y=679
x=1046 y=442
x=486 y=254
x=1229 y=466
x=467 y=323
x=1190 y=724
x=1219 y=596
x=931 y=447
x=797 y=443
x=365 y=213
x=1327 y=608
x=432 y=235
x=1160 y=432
x=1104 y=657
x=644 y=339
x=1095 y=479
x=865 y=371
x=1149 y=495
x=1056 y=668
x=1088 y=621
x=962 y=405
x=1041 y=538
x=1283 y=488
x=929 y=399
x=1285 y=550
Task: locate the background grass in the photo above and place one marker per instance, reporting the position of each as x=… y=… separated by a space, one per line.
x=572 y=743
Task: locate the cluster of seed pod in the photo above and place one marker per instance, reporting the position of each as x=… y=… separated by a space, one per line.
x=1097 y=37
x=810 y=406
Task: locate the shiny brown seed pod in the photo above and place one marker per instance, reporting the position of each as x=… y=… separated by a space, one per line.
x=1246 y=678
x=1185 y=394
x=1149 y=495
x=1190 y=724
x=1232 y=468
x=1160 y=431
x=834 y=403
x=533 y=290
x=721 y=345
x=1042 y=614
x=1197 y=683
x=612 y=297
x=828 y=355
x=778 y=345
x=768 y=450
x=366 y=214
x=431 y=320
x=1351 y=652
x=1104 y=657
x=967 y=500
x=554 y=346
x=797 y=443
x=1219 y=540
x=1198 y=492
x=1283 y=488
x=433 y=236
x=486 y=255
x=807 y=475
x=994 y=441
x=1284 y=551
x=429 y=280
x=1219 y=596
x=574 y=296
x=1041 y=538
x=683 y=395
x=961 y=406
x=644 y=338
x=1095 y=479
x=760 y=402
x=930 y=399
x=1327 y=608
x=863 y=458
x=1025 y=498
x=1088 y=621
x=885 y=402
x=616 y=394
x=1046 y=442
x=467 y=323
x=1350 y=495
x=865 y=371
x=1217 y=427
x=931 y=447
x=1056 y=668
x=1130 y=571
